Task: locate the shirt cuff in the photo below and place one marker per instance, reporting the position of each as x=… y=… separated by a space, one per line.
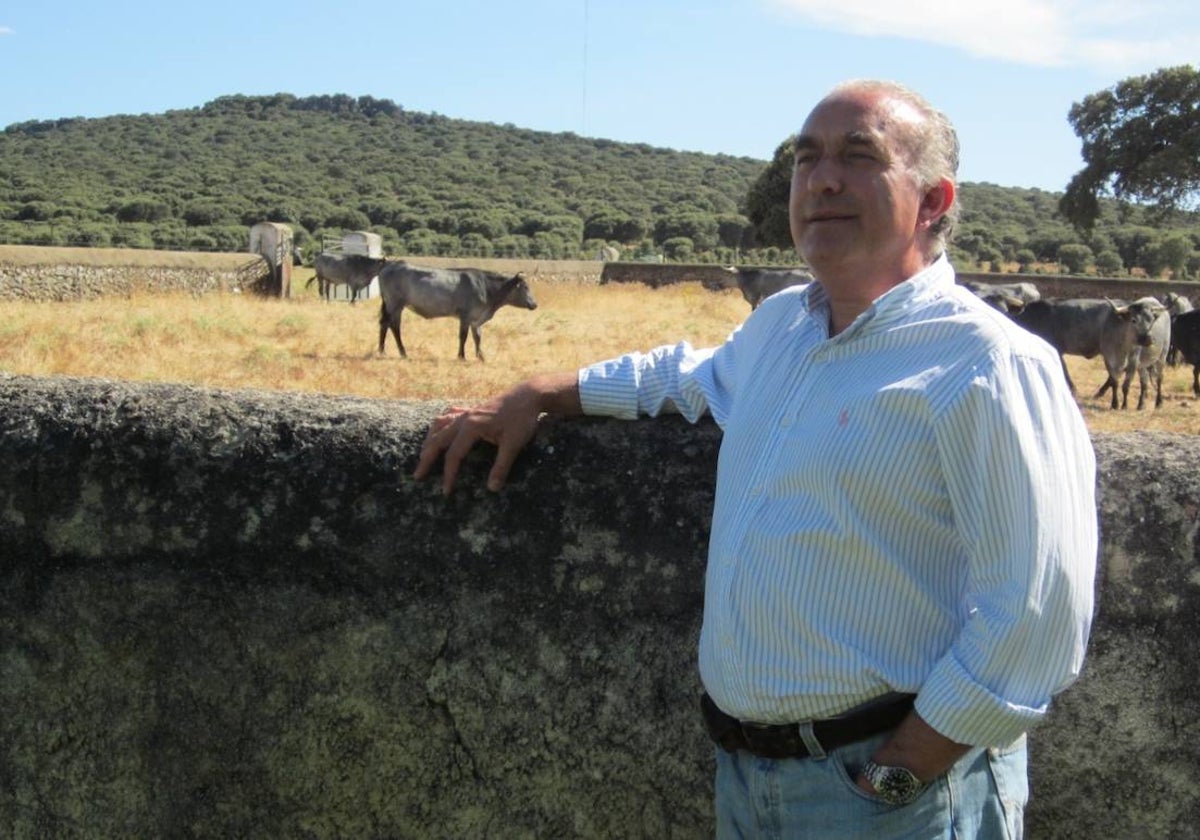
x=609 y=389
x=958 y=707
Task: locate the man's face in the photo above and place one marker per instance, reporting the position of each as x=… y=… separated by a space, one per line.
x=855 y=203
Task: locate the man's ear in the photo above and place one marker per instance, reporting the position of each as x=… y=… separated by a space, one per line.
x=937 y=203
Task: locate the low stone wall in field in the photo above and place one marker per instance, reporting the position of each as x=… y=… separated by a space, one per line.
x=233 y=614
x=542 y=271
x=51 y=274
x=1050 y=285
x=1068 y=286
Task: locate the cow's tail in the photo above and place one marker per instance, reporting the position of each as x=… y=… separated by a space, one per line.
x=310 y=281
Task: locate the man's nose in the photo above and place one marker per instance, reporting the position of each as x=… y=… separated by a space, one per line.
x=824 y=176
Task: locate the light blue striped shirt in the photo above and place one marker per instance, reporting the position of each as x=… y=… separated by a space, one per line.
x=907 y=506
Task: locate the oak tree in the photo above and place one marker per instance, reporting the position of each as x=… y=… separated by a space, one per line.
x=1141 y=143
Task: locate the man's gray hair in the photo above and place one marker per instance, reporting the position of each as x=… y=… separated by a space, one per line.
x=933 y=147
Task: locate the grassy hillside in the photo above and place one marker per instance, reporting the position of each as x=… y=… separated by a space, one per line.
x=195 y=179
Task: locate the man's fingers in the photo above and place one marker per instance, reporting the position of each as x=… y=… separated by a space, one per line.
x=460 y=444
x=454 y=432
x=429 y=456
x=506 y=455
x=437 y=439
x=444 y=419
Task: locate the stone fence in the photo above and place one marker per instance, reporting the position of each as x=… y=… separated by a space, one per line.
x=1050 y=285
x=234 y=614
x=58 y=274
x=47 y=274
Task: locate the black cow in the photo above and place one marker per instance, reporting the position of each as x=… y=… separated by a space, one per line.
x=1185 y=342
x=1089 y=327
x=756 y=284
x=353 y=270
x=1007 y=297
x=470 y=294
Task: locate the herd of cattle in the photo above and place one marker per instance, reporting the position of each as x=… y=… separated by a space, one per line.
x=1140 y=336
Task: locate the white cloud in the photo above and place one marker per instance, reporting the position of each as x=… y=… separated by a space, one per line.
x=1104 y=34
x=5 y=30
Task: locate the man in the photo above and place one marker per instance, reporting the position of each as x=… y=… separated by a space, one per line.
x=904 y=536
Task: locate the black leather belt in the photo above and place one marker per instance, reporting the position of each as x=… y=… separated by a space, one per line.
x=784 y=741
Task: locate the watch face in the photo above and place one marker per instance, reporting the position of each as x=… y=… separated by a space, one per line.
x=895 y=785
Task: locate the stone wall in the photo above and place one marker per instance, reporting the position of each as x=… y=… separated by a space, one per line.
x=233 y=614
x=1050 y=285
x=58 y=278
x=540 y=271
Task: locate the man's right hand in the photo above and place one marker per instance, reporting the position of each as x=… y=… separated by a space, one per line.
x=509 y=421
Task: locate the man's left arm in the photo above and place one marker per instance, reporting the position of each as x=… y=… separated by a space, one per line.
x=1020 y=471
x=917 y=747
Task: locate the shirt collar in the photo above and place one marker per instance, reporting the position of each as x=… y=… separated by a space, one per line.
x=933 y=280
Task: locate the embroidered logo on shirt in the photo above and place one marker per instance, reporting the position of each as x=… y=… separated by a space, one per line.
x=844 y=417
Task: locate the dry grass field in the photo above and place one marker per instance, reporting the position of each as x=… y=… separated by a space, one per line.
x=304 y=344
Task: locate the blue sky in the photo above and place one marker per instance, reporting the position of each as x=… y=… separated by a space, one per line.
x=714 y=76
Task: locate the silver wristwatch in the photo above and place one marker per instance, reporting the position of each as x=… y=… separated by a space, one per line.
x=895 y=785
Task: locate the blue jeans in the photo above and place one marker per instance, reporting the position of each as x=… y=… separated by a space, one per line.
x=982 y=797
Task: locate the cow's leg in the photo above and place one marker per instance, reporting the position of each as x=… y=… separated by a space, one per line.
x=396 y=330
x=462 y=339
x=1196 y=380
x=1062 y=360
x=383 y=325
x=388 y=321
x=475 y=335
x=1141 y=388
x=1111 y=379
x=1158 y=375
x=1125 y=383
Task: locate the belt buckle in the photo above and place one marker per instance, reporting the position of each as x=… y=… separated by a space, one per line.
x=773 y=740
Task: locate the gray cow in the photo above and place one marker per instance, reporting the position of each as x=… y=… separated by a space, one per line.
x=756 y=284
x=1176 y=303
x=353 y=270
x=470 y=294
x=1129 y=337
x=1150 y=332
